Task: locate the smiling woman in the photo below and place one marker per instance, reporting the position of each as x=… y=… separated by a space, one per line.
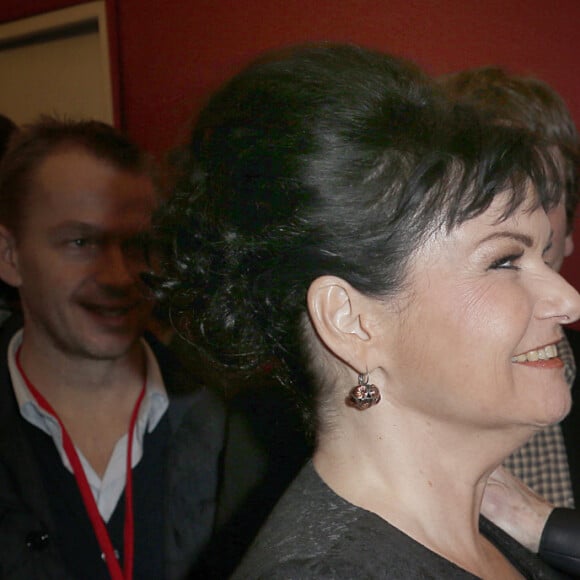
x=387 y=249
x=482 y=297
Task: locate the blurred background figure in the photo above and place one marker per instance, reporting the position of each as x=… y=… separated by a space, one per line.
x=109 y=450
x=8 y=295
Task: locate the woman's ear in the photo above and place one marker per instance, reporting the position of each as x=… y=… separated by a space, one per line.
x=9 y=258
x=338 y=314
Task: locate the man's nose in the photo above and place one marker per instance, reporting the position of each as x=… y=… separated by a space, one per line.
x=114 y=268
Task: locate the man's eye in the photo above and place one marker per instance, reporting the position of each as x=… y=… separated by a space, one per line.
x=506 y=262
x=81 y=242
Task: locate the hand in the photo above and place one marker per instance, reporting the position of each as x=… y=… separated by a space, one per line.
x=515 y=508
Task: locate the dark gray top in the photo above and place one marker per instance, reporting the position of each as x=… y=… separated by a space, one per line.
x=314 y=533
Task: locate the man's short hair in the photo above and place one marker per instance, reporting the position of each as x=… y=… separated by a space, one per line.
x=526 y=102
x=34 y=142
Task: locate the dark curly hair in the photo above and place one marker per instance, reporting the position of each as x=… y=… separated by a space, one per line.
x=529 y=103
x=324 y=159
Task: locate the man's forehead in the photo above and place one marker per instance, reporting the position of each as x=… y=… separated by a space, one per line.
x=101 y=201
x=71 y=155
x=120 y=228
x=82 y=176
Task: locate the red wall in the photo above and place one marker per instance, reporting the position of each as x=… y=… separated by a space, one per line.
x=175 y=51
x=14 y=9
x=171 y=53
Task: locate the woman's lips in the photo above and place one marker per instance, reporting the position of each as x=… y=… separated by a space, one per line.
x=545 y=353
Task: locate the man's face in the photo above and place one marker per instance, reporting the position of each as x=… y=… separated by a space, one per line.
x=73 y=260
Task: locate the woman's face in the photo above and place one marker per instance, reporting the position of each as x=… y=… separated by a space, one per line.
x=474 y=342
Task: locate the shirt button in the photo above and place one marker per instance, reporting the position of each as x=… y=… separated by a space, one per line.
x=37 y=541
x=104 y=558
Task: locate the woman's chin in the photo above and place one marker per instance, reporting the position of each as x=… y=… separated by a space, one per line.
x=555 y=410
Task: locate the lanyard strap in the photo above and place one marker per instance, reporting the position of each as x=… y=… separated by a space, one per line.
x=99 y=526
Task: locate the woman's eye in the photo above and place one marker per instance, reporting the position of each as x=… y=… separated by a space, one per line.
x=548 y=260
x=506 y=262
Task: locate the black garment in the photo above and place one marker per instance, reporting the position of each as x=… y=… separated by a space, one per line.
x=266 y=448
x=77 y=542
x=561 y=535
x=571 y=424
x=195 y=423
x=315 y=534
x=560 y=542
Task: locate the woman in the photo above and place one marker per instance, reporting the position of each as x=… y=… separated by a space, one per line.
x=383 y=252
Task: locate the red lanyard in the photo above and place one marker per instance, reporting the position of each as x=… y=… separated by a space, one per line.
x=86 y=493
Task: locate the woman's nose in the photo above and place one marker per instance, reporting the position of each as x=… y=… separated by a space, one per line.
x=559 y=300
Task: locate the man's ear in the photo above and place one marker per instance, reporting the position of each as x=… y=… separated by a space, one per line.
x=9 y=271
x=338 y=315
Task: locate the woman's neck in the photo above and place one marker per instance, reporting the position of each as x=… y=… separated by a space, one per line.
x=426 y=479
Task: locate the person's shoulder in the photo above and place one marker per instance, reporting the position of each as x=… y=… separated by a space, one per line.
x=172 y=368
x=181 y=382
x=198 y=415
x=202 y=406
x=313 y=568
x=193 y=406
x=383 y=563
x=314 y=533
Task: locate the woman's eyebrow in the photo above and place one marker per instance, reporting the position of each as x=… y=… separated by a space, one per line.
x=528 y=241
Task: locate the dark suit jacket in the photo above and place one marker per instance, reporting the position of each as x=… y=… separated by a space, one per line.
x=196 y=419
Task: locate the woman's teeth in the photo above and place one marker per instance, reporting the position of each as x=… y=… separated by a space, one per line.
x=548 y=352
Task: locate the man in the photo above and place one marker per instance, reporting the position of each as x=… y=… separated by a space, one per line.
x=550 y=462
x=82 y=394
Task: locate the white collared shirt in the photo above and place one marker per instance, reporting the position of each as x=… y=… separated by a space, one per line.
x=109 y=489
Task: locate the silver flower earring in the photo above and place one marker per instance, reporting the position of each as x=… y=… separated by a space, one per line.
x=364 y=395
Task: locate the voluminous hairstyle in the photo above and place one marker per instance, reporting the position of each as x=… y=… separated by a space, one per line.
x=525 y=102
x=322 y=160
x=34 y=142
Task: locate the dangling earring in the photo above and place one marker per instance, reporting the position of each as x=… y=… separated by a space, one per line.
x=363 y=395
